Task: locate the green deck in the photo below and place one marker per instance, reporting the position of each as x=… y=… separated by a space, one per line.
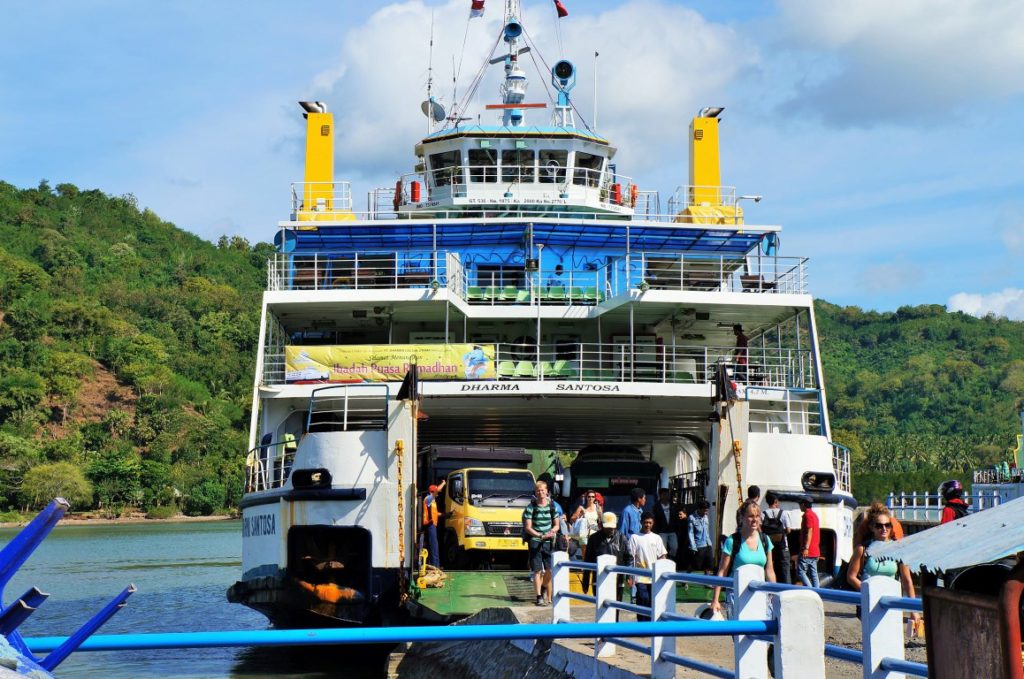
x=469 y=592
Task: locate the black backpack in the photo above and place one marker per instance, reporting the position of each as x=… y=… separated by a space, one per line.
x=737 y=543
x=534 y=506
x=776 y=532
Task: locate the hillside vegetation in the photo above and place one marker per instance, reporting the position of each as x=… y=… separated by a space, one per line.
x=126 y=354
x=127 y=348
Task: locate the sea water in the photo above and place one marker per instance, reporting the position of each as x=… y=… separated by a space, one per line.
x=182 y=571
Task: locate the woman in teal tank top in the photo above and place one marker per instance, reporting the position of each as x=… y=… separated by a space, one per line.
x=863 y=566
x=754 y=549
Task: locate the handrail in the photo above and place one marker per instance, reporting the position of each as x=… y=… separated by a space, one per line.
x=881 y=621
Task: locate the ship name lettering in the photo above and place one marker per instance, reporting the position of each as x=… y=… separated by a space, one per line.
x=490 y=387
x=261 y=524
x=587 y=387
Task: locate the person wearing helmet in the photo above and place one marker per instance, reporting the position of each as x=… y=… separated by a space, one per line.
x=952 y=493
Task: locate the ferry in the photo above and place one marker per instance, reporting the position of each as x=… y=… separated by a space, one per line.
x=516 y=289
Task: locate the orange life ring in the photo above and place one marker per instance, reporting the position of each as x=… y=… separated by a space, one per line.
x=634 y=193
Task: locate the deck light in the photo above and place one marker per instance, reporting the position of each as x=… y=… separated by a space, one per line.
x=756 y=199
x=711 y=111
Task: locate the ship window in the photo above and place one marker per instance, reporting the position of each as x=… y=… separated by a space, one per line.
x=588 y=169
x=445 y=168
x=552 y=166
x=483 y=165
x=500 y=275
x=517 y=166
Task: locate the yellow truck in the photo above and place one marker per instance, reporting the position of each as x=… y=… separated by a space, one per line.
x=484 y=496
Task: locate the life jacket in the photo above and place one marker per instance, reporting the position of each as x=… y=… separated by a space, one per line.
x=430 y=513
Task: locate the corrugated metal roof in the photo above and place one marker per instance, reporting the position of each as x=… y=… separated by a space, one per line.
x=987 y=536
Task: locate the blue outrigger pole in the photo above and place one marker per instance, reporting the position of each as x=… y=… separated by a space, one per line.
x=12 y=556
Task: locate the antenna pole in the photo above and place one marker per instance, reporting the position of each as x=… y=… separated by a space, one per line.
x=430 y=78
x=596 y=54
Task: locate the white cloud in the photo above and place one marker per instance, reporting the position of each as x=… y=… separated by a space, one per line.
x=905 y=60
x=648 y=87
x=1008 y=302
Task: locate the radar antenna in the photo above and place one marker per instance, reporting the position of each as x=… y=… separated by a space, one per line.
x=431 y=108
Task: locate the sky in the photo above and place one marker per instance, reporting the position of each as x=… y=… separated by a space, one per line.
x=887 y=138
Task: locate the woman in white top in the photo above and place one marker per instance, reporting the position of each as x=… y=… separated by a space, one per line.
x=590 y=511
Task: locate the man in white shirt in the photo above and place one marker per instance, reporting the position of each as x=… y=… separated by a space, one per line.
x=645 y=548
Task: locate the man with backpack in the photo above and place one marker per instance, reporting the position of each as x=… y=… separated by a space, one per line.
x=540 y=526
x=775 y=524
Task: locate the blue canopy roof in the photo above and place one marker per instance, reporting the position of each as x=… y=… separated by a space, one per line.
x=464 y=233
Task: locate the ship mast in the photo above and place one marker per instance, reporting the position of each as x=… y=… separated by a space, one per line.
x=513 y=90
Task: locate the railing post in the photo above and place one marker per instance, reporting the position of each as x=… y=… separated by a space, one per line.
x=881 y=628
x=913 y=502
x=751 y=654
x=559 y=585
x=663 y=600
x=605 y=589
x=800 y=642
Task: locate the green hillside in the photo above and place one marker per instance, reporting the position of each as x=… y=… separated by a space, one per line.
x=127 y=349
x=126 y=354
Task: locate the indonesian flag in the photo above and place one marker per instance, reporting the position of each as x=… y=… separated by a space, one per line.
x=477 y=10
x=560 y=8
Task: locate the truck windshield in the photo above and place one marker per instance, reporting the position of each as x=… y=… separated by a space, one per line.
x=500 y=487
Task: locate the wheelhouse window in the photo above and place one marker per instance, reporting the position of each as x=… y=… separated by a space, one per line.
x=552 y=166
x=483 y=165
x=517 y=165
x=446 y=168
x=588 y=169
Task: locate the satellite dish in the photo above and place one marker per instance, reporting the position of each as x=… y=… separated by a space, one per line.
x=433 y=110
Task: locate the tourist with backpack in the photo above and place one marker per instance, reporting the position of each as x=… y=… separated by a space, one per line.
x=863 y=566
x=540 y=528
x=746 y=546
x=776 y=525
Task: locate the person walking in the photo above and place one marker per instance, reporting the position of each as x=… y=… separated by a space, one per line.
x=586 y=520
x=810 y=548
x=666 y=519
x=862 y=566
x=701 y=556
x=431 y=515
x=776 y=525
x=645 y=548
x=746 y=546
x=630 y=523
x=540 y=523
x=607 y=541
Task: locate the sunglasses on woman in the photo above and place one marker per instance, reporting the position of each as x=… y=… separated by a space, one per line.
x=880 y=526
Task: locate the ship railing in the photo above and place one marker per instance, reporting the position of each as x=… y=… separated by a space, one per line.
x=927 y=508
x=340 y=407
x=785 y=369
x=790 y=617
x=715 y=273
x=312 y=200
x=841 y=466
x=355 y=271
x=646 y=362
x=996 y=475
x=694 y=195
x=775 y=410
x=266 y=465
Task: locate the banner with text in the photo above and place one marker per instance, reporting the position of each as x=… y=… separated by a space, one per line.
x=388 y=362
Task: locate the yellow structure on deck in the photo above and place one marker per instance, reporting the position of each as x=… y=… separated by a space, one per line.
x=705 y=202
x=318 y=191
